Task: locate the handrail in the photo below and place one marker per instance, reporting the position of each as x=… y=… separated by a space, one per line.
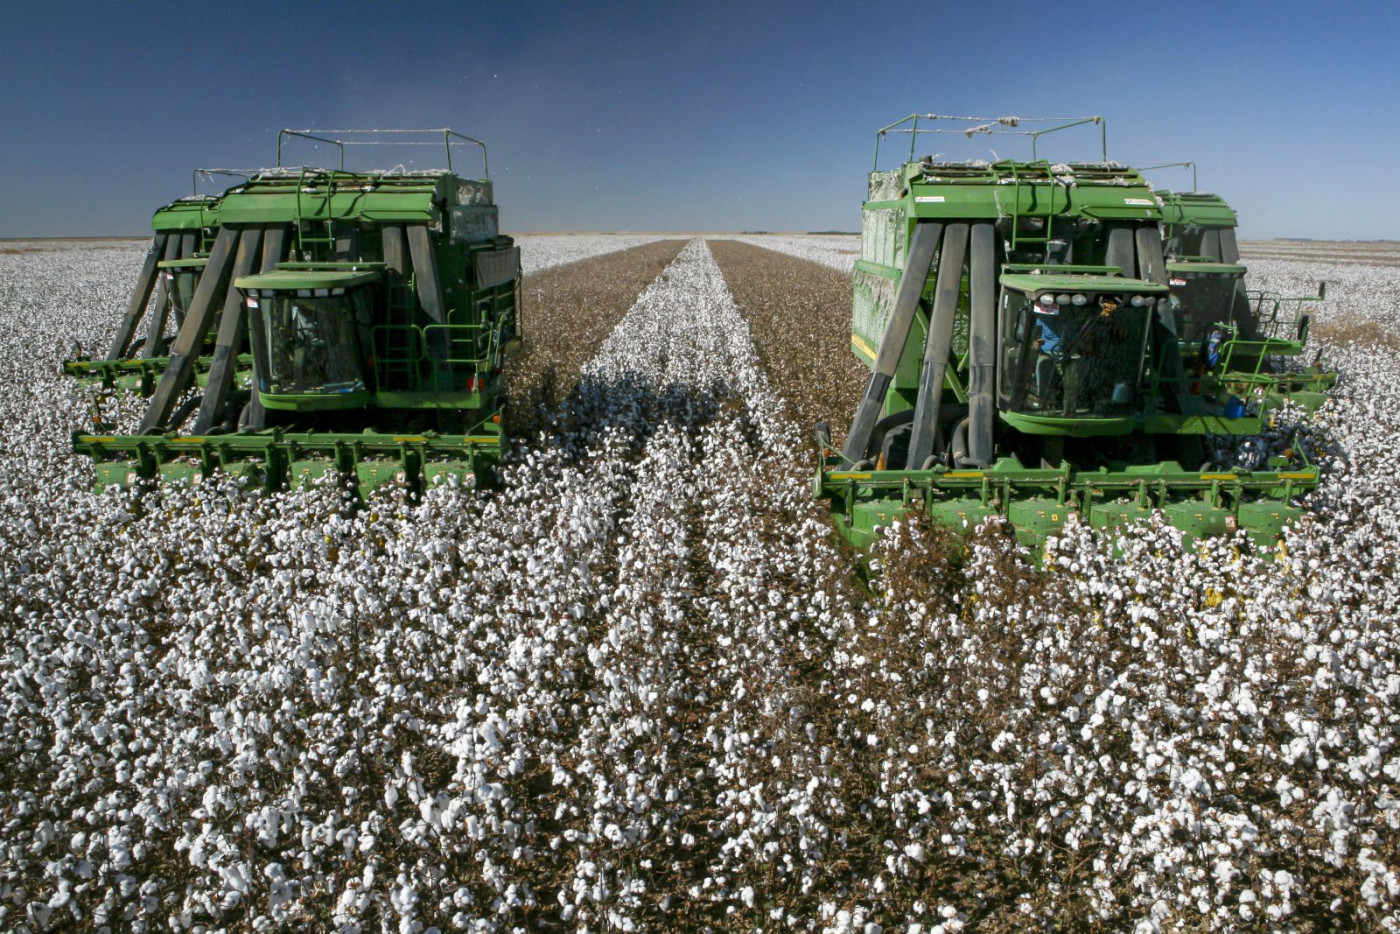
x=449 y=139
x=1171 y=165
x=306 y=135
x=988 y=126
x=209 y=173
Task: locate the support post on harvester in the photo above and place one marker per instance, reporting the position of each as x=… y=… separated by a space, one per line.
x=161 y=310
x=1152 y=266
x=1210 y=245
x=425 y=274
x=392 y=238
x=937 y=346
x=274 y=247
x=136 y=308
x=981 y=412
x=192 y=332
x=906 y=300
x=1120 y=251
x=231 y=328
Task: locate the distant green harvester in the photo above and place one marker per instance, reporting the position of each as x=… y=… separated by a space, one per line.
x=378 y=309
x=1026 y=360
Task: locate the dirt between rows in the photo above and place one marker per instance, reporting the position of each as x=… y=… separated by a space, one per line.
x=566 y=313
x=800 y=315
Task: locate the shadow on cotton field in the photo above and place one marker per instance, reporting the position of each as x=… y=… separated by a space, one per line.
x=640 y=686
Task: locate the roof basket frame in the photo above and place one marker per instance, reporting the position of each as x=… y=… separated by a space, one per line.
x=1195 y=188
x=450 y=138
x=992 y=126
x=197 y=174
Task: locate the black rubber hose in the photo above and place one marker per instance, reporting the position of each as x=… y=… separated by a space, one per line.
x=890 y=422
x=959 y=449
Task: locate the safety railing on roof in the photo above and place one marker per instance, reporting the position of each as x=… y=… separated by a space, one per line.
x=1173 y=165
x=342 y=138
x=992 y=126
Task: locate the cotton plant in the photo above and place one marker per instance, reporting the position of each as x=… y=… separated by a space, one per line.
x=640 y=686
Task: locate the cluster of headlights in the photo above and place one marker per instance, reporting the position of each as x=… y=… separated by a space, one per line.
x=299 y=293
x=1137 y=301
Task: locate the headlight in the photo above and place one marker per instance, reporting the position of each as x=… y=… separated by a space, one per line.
x=1138 y=301
x=1079 y=300
x=1047 y=299
x=1062 y=300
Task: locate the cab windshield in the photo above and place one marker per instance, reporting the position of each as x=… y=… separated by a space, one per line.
x=1065 y=359
x=309 y=345
x=1200 y=302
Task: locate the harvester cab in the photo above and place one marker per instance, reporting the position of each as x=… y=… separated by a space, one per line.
x=311 y=334
x=378 y=309
x=1074 y=346
x=1025 y=359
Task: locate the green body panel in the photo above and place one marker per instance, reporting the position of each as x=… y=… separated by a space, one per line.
x=196 y=213
x=314 y=195
x=1199 y=209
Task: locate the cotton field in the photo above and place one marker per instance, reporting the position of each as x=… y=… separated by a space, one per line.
x=643 y=687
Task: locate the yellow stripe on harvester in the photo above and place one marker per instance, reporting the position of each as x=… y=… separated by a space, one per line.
x=849 y=476
x=1219 y=476
x=864 y=347
x=1305 y=475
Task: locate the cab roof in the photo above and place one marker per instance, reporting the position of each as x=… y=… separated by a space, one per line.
x=1210 y=269
x=282 y=280
x=1026 y=282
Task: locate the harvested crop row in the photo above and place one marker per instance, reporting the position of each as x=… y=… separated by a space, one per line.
x=799 y=314
x=543 y=251
x=567 y=312
x=837 y=251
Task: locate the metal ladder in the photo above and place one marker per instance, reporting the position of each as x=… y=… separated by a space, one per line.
x=306 y=241
x=1017 y=237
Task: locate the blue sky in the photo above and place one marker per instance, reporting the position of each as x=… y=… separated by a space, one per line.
x=716 y=116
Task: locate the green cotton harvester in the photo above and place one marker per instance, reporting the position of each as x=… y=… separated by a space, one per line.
x=1254 y=333
x=1026 y=359
x=328 y=321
